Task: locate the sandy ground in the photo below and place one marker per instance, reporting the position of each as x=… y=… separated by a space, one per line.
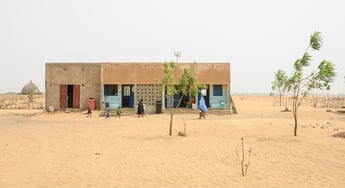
x=70 y=150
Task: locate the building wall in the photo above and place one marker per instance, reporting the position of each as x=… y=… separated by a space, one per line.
x=215 y=101
x=93 y=76
x=87 y=75
x=213 y=73
x=145 y=73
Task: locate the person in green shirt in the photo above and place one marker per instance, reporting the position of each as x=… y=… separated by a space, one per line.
x=118 y=112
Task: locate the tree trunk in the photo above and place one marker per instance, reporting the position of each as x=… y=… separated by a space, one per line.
x=173 y=110
x=171 y=122
x=242 y=162
x=295 y=129
x=294 y=111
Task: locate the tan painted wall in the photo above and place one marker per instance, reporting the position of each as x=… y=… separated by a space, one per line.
x=87 y=75
x=213 y=73
x=144 y=73
x=131 y=73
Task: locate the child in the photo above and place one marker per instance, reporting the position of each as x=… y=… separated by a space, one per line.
x=118 y=112
x=202 y=114
x=107 y=114
x=88 y=112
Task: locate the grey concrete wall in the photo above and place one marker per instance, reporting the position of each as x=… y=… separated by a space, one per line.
x=87 y=75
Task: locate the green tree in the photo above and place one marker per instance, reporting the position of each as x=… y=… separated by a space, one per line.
x=300 y=85
x=186 y=85
x=30 y=94
x=280 y=79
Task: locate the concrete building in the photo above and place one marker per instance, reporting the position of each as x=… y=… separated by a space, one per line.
x=77 y=85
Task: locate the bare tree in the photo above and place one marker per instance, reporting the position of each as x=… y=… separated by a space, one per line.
x=242 y=160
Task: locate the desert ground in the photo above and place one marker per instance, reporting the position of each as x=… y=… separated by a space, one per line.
x=71 y=150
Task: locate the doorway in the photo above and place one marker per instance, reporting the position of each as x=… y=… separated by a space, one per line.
x=127 y=96
x=69 y=96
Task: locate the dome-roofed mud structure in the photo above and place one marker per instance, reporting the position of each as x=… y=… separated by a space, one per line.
x=30 y=89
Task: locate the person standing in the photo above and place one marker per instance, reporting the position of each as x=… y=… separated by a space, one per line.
x=141 y=110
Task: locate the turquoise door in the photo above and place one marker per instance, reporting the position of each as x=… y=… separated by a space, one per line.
x=127 y=96
x=131 y=98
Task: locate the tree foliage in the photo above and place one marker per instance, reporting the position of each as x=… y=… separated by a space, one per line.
x=30 y=94
x=280 y=79
x=300 y=84
x=186 y=84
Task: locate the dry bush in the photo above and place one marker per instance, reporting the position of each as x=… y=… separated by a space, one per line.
x=340 y=135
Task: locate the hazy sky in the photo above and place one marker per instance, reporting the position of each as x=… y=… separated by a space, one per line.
x=256 y=37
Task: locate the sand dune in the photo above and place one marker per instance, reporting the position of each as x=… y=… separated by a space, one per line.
x=70 y=150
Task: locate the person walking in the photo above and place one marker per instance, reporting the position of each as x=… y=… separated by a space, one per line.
x=141 y=110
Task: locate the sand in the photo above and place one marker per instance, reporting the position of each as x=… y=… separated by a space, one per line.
x=70 y=150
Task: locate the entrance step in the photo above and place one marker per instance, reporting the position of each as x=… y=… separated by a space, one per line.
x=132 y=111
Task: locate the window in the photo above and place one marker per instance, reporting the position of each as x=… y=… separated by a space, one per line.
x=110 y=90
x=127 y=91
x=217 y=90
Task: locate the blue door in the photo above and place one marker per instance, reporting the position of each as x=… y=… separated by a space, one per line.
x=131 y=98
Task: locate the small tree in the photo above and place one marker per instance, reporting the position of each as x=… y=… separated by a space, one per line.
x=30 y=95
x=301 y=85
x=242 y=160
x=187 y=84
x=279 y=83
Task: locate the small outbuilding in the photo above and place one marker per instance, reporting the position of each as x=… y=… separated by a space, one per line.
x=30 y=89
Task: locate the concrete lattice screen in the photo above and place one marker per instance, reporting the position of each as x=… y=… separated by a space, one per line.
x=150 y=93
